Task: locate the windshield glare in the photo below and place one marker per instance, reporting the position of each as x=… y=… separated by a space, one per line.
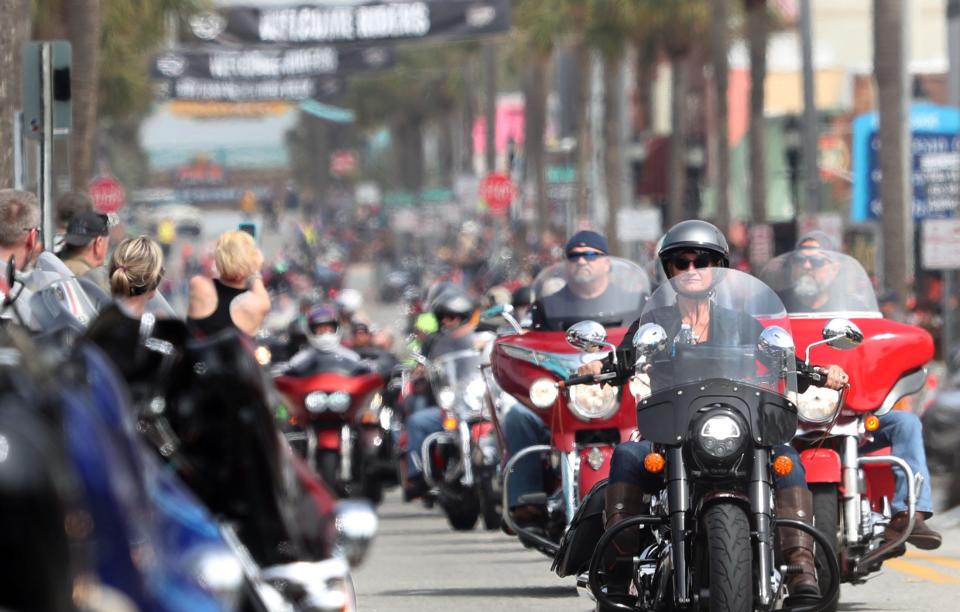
x=726 y=311
x=453 y=369
x=821 y=283
x=606 y=289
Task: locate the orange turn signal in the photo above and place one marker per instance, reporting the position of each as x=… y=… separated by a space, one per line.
x=654 y=463
x=450 y=423
x=370 y=418
x=782 y=465
x=872 y=422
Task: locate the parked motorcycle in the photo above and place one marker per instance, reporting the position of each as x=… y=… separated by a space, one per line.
x=462 y=460
x=586 y=422
x=851 y=490
x=713 y=414
x=334 y=405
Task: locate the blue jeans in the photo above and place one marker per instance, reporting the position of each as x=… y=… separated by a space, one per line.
x=626 y=465
x=420 y=424
x=902 y=431
x=523 y=428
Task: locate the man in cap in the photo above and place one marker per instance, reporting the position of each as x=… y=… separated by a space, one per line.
x=85 y=247
x=587 y=291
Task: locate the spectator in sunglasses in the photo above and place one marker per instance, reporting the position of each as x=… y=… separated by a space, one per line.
x=587 y=292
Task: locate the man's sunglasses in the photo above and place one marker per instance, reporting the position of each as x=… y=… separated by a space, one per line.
x=588 y=255
x=815 y=261
x=703 y=260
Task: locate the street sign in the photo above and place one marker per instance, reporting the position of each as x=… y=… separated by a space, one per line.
x=343 y=162
x=498 y=191
x=107 y=194
x=60 y=59
x=639 y=224
x=940 y=249
x=935 y=163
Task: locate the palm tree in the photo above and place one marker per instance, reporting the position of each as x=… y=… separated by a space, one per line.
x=758 y=24
x=719 y=48
x=889 y=59
x=14 y=30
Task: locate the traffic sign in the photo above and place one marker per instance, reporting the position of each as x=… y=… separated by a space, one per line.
x=498 y=191
x=107 y=194
x=343 y=162
x=940 y=248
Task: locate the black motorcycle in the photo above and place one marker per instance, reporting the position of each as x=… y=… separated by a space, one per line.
x=713 y=414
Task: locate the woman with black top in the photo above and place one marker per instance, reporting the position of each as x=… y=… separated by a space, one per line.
x=237 y=298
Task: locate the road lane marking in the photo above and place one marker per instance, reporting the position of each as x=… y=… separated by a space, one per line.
x=950 y=562
x=921 y=571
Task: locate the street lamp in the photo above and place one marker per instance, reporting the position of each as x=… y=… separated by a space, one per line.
x=695 y=160
x=793 y=150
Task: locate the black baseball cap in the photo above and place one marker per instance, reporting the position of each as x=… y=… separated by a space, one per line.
x=86 y=226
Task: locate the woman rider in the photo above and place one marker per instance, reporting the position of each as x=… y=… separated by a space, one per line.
x=689 y=253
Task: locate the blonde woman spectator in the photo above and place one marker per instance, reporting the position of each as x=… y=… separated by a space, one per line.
x=237 y=298
x=136 y=269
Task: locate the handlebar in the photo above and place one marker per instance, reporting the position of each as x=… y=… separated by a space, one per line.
x=587 y=379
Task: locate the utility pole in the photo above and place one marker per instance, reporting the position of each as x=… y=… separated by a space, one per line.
x=953 y=99
x=490 y=103
x=811 y=173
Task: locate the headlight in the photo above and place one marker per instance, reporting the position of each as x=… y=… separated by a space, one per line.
x=721 y=436
x=316 y=401
x=446 y=397
x=219 y=572
x=589 y=402
x=473 y=394
x=543 y=392
x=338 y=401
x=818 y=405
x=263 y=355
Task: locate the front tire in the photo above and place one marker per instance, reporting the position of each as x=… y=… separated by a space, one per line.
x=826 y=518
x=328 y=466
x=461 y=507
x=729 y=555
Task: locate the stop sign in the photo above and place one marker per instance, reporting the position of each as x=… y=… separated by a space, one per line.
x=107 y=194
x=497 y=190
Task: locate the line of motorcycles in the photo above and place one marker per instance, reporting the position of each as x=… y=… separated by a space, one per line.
x=144 y=470
x=712 y=421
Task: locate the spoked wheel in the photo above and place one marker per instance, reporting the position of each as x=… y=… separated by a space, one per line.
x=729 y=557
x=826 y=518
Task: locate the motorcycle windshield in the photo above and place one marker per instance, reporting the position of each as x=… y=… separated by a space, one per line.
x=607 y=289
x=713 y=319
x=456 y=376
x=817 y=283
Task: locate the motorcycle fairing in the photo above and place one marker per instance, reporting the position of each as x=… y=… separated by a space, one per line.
x=665 y=416
x=822 y=465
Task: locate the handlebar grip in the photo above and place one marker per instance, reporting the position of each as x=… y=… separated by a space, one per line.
x=587 y=379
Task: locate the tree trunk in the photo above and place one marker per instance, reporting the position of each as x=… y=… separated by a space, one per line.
x=584 y=137
x=83 y=23
x=490 y=104
x=445 y=149
x=468 y=116
x=535 y=102
x=613 y=137
x=719 y=26
x=676 y=163
x=14 y=31
x=757 y=32
x=408 y=153
x=889 y=59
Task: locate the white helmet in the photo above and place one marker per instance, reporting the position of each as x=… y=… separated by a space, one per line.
x=349 y=300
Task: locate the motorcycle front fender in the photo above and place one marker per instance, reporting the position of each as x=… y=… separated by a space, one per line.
x=822 y=465
x=328 y=438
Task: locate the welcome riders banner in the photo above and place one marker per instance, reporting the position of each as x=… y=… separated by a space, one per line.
x=342 y=21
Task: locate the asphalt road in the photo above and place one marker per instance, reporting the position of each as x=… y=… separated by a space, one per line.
x=418 y=563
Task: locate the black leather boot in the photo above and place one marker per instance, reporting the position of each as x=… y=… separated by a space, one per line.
x=622 y=501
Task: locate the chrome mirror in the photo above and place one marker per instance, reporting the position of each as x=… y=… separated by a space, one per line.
x=587 y=336
x=500 y=315
x=649 y=340
x=842 y=334
x=356 y=524
x=776 y=348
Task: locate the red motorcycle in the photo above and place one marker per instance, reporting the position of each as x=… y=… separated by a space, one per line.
x=586 y=421
x=851 y=489
x=333 y=414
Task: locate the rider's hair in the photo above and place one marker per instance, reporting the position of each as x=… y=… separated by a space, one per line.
x=235 y=255
x=136 y=267
x=19 y=213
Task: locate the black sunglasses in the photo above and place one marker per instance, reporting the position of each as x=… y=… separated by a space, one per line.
x=815 y=261
x=588 y=255
x=703 y=260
